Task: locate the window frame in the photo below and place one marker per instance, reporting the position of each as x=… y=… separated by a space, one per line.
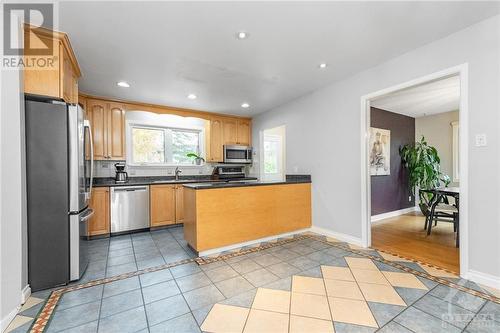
x=131 y=125
x=279 y=160
x=278 y=137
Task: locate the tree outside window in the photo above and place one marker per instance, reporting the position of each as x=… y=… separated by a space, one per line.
x=162 y=145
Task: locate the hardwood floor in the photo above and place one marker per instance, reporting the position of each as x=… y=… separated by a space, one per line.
x=405 y=235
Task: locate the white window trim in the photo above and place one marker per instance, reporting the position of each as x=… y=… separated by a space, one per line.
x=280 y=175
x=455 y=151
x=148 y=125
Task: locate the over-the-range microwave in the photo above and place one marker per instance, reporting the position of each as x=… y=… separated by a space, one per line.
x=237 y=154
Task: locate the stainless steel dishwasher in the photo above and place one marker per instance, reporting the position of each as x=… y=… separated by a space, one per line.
x=129 y=208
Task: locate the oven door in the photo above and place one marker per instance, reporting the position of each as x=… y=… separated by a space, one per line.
x=237 y=154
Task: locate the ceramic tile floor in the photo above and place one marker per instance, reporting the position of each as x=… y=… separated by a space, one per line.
x=302 y=286
x=128 y=253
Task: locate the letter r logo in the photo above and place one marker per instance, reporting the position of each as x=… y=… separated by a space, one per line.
x=33 y=14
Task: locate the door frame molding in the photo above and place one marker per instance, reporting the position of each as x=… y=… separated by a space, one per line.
x=461 y=70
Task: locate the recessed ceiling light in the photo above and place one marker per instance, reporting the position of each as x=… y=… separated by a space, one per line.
x=245 y=105
x=242 y=35
x=323 y=65
x=192 y=96
x=123 y=84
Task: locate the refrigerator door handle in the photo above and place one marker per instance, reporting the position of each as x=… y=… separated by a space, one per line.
x=87 y=125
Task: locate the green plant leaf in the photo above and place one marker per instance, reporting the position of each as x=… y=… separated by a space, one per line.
x=423 y=164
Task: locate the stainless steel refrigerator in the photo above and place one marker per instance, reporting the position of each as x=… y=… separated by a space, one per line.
x=59 y=163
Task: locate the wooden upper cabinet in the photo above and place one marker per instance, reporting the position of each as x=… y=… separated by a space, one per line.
x=59 y=80
x=244 y=135
x=230 y=130
x=162 y=205
x=99 y=202
x=116 y=131
x=226 y=131
x=82 y=100
x=179 y=204
x=107 y=121
x=96 y=113
x=216 y=140
x=69 y=79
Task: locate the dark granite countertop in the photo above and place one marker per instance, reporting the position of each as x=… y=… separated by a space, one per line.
x=290 y=179
x=156 y=180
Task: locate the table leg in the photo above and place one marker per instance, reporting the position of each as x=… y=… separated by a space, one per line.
x=431 y=217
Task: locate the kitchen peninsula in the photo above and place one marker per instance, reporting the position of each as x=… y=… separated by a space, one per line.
x=223 y=214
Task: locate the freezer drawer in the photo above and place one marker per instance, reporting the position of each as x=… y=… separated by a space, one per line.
x=78 y=243
x=129 y=208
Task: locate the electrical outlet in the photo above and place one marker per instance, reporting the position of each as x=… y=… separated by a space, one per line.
x=481 y=140
x=409 y=198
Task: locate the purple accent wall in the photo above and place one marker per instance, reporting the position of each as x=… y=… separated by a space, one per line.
x=390 y=193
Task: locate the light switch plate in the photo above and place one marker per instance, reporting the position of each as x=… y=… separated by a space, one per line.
x=481 y=140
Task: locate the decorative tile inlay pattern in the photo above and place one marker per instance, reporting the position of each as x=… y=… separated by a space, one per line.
x=335 y=283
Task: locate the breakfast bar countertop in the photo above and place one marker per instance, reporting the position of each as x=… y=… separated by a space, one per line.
x=164 y=180
x=290 y=179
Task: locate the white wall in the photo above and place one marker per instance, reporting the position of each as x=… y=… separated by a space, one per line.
x=323 y=136
x=12 y=204
x=438 y=133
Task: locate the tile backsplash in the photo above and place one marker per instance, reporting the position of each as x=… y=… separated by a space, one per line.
x=107 y=169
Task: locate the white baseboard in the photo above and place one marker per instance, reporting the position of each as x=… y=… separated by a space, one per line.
x=395 y=213
x=484 y=279
x=260 y=240
x=25 y=293
x=337 y=235
x=5 y=321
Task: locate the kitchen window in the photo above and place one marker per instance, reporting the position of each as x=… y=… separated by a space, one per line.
x=158 y=146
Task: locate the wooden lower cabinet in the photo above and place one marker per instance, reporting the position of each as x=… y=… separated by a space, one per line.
x=99 y=202
x=217 y=217
x=179 y=204
x=162 y=205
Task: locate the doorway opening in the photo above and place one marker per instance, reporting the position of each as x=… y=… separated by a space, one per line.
x=408 y=211
x=272 y=156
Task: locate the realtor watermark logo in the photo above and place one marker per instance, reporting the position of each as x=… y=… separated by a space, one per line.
x=33 y=51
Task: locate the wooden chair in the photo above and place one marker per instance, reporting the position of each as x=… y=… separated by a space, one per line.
x=441 y=210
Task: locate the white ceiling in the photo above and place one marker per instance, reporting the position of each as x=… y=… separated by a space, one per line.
x=423 y=100
x=168 y=50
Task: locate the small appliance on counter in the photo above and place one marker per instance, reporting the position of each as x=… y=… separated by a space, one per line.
x=121 y=176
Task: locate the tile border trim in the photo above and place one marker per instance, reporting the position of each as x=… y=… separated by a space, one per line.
x=45 y=315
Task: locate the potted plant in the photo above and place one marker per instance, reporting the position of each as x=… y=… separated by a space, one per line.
x=423 y=164
x=197 y=158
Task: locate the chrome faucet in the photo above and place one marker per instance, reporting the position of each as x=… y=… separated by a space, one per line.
x=177 y=173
